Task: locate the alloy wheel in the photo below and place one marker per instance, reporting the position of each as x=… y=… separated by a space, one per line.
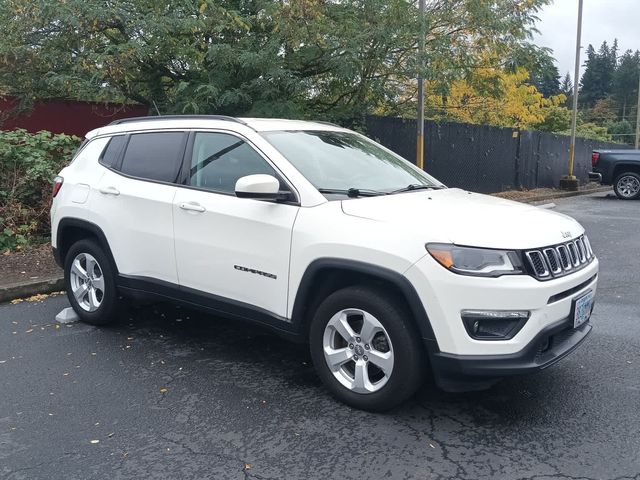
x=87 y=282
x=358 y=350
x=628 y=186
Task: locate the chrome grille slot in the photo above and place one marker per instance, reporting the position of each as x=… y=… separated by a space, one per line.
x=581 y=250
x=561 y=259
x=552 y=260
x=573 y=254
x=588 y=246
x=563 y=253
x=538 y=263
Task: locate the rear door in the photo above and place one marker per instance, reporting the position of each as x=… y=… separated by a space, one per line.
x=234 y=248
x=133 y=205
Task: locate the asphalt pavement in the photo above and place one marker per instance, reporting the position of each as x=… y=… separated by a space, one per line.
x=167 y=393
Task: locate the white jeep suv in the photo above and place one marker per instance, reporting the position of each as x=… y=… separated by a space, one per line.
x=325 y=237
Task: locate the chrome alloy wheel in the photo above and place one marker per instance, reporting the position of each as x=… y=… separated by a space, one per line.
x=628 y=186
x=358 y=350
x=87 y=282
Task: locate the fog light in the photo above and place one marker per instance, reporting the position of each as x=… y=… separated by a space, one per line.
x=493 y=324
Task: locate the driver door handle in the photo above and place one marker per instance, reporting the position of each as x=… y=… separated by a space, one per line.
x=192 y=207
x=110 y=191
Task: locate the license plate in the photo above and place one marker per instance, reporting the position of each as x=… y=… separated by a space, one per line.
x=582 y=308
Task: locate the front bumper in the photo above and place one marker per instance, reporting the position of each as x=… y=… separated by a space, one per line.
x=456 y=373
x=445 y=295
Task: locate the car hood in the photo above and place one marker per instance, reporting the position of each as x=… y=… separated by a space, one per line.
x=467 y=218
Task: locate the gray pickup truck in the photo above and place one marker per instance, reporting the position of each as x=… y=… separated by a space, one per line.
x=620 y=168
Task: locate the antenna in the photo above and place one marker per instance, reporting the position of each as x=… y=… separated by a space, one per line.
x=156 y=107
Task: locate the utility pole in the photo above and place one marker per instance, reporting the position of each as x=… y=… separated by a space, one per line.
x=638 y=114
x=420 y=116
x=569 y=181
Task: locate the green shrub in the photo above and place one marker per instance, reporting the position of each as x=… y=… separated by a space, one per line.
x=28 y=164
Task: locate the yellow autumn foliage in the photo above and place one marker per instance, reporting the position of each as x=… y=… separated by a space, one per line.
x=491 y=97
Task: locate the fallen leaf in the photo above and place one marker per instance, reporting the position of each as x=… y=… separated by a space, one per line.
x=247 y=466
x=16 y=301
x=37 y=298
x=163 y=390
x=29 y=331
x=94 y=441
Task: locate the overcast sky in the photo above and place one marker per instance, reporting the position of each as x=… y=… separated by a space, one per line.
x=601 y=20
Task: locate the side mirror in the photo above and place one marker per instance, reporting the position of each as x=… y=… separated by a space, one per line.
x=264 y=187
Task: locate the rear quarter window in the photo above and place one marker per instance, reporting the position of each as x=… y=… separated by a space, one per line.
x=154 y=156
x=111 y=153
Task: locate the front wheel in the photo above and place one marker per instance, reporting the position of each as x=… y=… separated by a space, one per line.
x=90 y=283
x=627 y=186
x=365 y=349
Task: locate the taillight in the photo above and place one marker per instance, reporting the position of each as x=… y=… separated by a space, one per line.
x=57 y=185
x=595 y=156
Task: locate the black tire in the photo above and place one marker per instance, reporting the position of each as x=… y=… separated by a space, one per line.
x=106 y=311
x=623 y=193
x=409 y=359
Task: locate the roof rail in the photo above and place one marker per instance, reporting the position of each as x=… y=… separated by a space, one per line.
x=178 y=117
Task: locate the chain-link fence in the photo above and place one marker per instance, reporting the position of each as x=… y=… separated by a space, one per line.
x=487 y=159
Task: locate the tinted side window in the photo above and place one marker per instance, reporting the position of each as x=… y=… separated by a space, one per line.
x=219 y=160
x=155 y=156
x=112 y=151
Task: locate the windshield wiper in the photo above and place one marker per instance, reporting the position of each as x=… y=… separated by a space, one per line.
x=352 y=192
x=416 y=186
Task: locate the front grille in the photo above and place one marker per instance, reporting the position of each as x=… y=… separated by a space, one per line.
x=559 y=260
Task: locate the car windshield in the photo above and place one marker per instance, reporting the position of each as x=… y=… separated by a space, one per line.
x=347 y=162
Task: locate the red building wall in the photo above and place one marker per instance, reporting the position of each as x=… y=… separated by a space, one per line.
x=67 y=116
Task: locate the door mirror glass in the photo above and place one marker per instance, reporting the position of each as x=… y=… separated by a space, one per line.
x=260 y=186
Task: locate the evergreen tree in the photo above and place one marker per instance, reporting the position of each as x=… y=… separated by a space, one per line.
x=625 y=82
x=566 y=88
x=539 y=62
x=597 y=80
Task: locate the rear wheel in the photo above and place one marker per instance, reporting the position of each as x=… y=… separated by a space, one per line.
x=90 y=283
x=627 y=186
x=365 y=349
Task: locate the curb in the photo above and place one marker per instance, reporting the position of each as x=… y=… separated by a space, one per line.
x=552 y=196
x=21 y=290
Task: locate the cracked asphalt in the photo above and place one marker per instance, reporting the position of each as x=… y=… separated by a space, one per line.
x=168 y=393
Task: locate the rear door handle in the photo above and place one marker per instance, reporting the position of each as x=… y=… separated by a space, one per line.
x=192 y=207
x=110 y=191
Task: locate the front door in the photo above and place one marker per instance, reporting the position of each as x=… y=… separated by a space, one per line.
x=230 y=247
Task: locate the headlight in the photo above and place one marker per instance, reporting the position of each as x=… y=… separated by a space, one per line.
x=482 y=262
